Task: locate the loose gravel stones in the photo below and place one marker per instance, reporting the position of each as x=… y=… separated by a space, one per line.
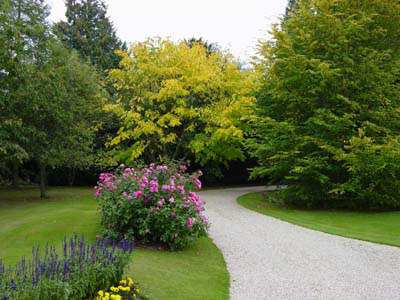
x=272 y=259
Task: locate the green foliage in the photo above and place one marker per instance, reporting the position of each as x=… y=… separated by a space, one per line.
x=155 y=204
x=89 y=31
x=328 y=75
x=179 y=101
x=23 y=39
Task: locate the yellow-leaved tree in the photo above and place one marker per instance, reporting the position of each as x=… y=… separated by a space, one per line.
x=178 y=101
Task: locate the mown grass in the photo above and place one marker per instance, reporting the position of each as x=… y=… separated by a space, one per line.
x=378 y=227
x=198 y=272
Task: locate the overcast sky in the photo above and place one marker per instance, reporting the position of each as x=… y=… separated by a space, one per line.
x=233 y=24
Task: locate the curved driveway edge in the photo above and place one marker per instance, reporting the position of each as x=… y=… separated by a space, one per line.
x=272 y=259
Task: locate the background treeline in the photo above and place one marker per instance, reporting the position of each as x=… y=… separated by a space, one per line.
x=318 y=108
x=65 y=117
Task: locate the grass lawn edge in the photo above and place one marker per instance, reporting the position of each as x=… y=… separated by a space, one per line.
x=244 y=201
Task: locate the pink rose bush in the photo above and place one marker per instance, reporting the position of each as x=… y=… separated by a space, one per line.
x=152 y=204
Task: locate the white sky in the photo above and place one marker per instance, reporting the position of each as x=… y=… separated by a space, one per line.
x=233 y=24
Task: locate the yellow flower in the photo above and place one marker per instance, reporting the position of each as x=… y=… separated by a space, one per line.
x=115 y=297
x=101 y=293
x=122 y=282
x=114 y=289
x=130 y=281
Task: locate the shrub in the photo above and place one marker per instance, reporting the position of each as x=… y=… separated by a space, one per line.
x=78 y=273
x=155 y=204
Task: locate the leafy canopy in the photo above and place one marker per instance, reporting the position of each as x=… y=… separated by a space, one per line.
x=179 y=101
x=328 y=111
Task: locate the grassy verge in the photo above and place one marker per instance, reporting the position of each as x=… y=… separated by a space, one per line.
x=198 y=272
x=378 y=227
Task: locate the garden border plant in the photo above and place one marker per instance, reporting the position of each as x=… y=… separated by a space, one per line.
x=80 y=271
x=152 y=204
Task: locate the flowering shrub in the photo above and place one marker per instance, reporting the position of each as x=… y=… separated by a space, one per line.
x=78 y=273
x=126 y=290
x=152 y=204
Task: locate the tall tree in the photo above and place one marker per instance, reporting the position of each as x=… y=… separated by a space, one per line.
x=328 y=121
x=210 y=47
x=90 y=32
x=64 y=96
x=290 y=7
x=23 y=40
x=176 y=101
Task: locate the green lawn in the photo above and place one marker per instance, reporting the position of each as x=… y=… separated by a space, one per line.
x=198 y=272
x=378 y=227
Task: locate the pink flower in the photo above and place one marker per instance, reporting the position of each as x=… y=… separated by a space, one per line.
x=129 y=197
x=204 y=219
x=124 y=194
x=171 y=200
x=181 y=189
x=183 y=168
x=190 y=222
x=154 y=186
x=121 y=165
x=197 y=182
x=173 y=214
x=151 y=211
x=161 y=202
x=98 y=192
x=126 y=175
x=200 y=173
x=138 y=194
x=142 y=185
x=165 y=187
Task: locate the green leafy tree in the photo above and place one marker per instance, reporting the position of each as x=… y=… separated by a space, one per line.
x=23 y=40
x=90 y=32
x=65 y=97
x=328 y=110
x=177 y=101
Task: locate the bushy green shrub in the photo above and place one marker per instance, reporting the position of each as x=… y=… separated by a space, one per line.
x=156 y=204
x=375 y=173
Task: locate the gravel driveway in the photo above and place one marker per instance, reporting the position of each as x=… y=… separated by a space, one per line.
x=271 y=259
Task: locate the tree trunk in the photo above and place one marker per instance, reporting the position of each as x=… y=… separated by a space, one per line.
x=15 y=170
x=71 y=176
x=43 y=176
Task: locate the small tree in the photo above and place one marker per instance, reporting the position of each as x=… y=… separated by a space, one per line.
x=329 y=104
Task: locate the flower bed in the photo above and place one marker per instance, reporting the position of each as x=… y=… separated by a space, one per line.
x=126 y=290
x=156 y=204
x=77 y=273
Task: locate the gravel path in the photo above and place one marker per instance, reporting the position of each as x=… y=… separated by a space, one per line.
x=271 y=259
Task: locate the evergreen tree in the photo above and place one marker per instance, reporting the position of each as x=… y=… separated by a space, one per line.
x=90 y=32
